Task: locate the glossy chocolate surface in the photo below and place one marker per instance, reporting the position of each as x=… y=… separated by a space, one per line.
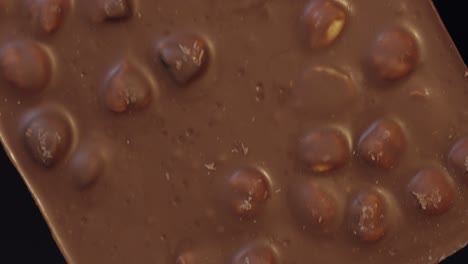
x=252 y=131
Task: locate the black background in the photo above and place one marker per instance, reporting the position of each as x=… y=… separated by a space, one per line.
x=24 y=236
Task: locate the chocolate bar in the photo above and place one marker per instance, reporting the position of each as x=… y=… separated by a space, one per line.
x=256 y=131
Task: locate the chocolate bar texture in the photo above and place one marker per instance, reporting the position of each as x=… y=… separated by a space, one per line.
x=247 y=132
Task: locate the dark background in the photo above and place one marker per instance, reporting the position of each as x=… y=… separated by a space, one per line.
x=24 y=236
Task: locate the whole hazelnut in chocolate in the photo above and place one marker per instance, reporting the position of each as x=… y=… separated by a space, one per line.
x=315 y=207
x=323 y=92
x=48 y=15
x=127 y=88
x=324 y=20
x=184 y=55
x=458 y=157
x=113 y=9
x=86 y=166
x=185 y=258
x=48 y=138
x=433 y=191
x=26 y=66
x=248 y=190
x=382 y=143
x=394 y=54
x=368 y=216
x=324 y=149
x=258 y=254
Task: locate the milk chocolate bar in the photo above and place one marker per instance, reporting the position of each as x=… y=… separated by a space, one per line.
x=250 y=131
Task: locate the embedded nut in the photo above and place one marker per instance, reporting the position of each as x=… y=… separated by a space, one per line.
x=325 y=20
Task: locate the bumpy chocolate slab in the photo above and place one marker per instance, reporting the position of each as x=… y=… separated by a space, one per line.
x=245 y=132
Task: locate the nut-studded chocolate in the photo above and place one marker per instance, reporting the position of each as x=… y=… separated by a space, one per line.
x=127 y=88
x=254 y=131
x=248 y=190
x=394 y=54
x=315 y=207
x=114 y=9
x=382 y=143
x=433 y=191
x=86 y=165
x=324 y=20
x=48 y=136
x=48 y=15
x=323 y=92
x=256 y=254
x=26 y=66
x=184 y=55
x=368 y=216
x=458 y=157
x=325 y=149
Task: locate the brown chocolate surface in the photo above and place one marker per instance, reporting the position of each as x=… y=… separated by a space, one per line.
x=251 y=131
